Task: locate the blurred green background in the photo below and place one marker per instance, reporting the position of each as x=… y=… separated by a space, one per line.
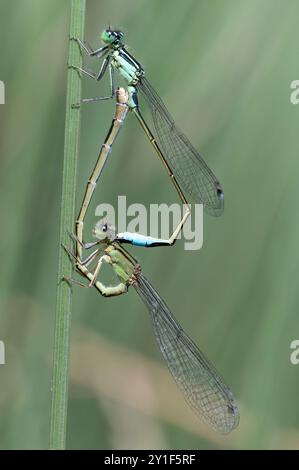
x=224 y=69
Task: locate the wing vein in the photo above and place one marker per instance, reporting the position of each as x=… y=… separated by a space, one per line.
x=202 y=386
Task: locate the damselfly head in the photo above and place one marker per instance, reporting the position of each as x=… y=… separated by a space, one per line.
x=104 y=232
x=110 y=36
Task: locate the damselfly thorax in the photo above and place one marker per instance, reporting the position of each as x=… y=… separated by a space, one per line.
x=127 y=65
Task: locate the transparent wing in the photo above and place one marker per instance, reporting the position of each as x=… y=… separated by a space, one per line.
x=192 y=173
x=202 y=386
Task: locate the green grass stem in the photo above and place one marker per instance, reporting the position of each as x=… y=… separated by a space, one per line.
x=64 y=293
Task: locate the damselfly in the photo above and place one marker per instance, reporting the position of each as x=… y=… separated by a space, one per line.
x=200 y=383
x=202 y=386
x=186 y=168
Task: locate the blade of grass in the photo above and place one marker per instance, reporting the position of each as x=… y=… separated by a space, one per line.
x=64 y=293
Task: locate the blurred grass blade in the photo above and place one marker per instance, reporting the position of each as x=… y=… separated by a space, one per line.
x=63 y=300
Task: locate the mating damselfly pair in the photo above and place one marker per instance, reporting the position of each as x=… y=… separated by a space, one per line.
x=202 y=386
